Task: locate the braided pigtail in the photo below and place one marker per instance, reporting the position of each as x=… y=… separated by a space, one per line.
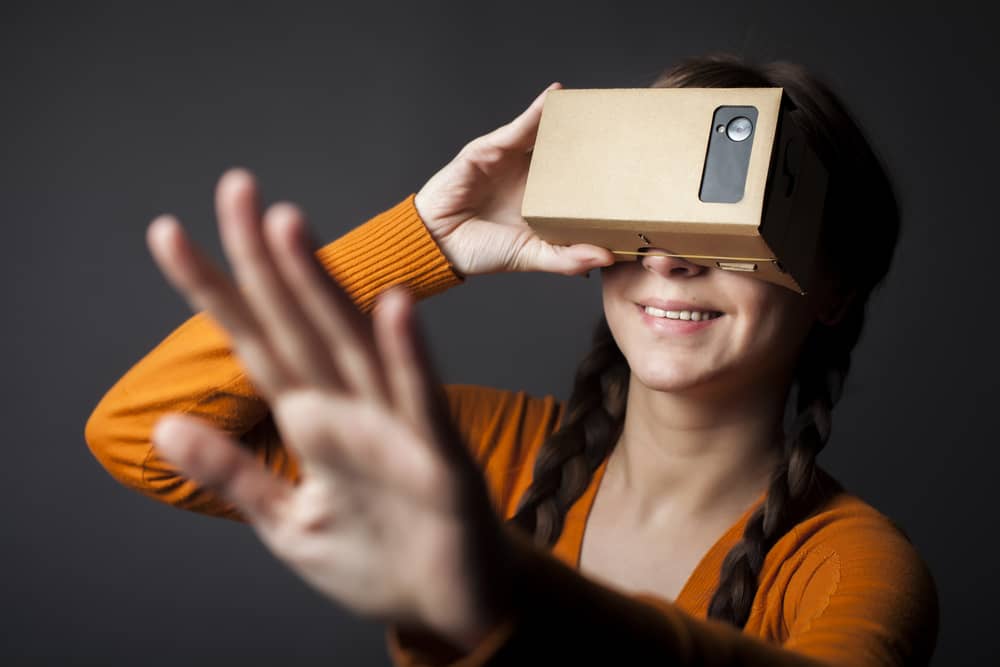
x=567 y=460
x=860 y=201
x=795 y=489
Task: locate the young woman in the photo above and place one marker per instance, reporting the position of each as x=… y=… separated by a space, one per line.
x=666 y=513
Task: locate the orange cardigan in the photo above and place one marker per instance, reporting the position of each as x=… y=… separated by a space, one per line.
x=844 y=586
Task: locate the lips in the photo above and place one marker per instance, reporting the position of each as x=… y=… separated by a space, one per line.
x=669 y=326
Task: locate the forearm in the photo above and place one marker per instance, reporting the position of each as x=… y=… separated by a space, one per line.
x=558 y=616
x=194 y=370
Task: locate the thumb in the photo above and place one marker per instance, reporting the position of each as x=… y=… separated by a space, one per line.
x=215 y=460
x=568 y=260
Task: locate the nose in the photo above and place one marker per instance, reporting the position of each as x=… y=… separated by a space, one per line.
x=676 y=267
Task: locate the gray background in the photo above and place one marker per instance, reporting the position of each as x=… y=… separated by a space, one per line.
x=114 y=113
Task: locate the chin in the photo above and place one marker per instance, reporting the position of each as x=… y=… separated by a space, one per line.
x=667 y=376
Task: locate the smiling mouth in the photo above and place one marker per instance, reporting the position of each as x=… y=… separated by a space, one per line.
x=685 y=315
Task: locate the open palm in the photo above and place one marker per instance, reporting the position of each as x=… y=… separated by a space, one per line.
x=391 y=517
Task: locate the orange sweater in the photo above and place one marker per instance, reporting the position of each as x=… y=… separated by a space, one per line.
x=843 y=587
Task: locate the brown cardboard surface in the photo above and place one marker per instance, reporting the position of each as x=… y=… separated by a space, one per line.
x=622 y=168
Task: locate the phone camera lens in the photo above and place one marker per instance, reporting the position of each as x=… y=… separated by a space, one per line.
x=739 y=128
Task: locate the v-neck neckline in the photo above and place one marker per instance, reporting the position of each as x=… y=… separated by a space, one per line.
x=697 y=590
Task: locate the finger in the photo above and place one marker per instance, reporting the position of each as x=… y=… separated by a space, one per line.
x=214 y=460
x=344 y=330
x=520 y=133
x=568 y=260
x=208 y=289
x=290 y=333
x=414 y=385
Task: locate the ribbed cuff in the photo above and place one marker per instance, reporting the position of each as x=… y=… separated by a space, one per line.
x=393 y=248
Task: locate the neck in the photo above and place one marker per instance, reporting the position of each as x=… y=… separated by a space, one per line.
x=695 y=454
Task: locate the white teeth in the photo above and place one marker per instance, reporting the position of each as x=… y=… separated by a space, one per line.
x=693 y=315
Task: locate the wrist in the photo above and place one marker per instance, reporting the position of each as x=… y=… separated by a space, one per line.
x=484 y=607
x=494 y=609
x=476 y=624
x=434 y=228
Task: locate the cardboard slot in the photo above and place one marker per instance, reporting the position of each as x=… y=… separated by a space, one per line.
x=737 y=266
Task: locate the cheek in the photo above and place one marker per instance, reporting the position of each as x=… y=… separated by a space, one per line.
x=613 y=276
x=613 y=279
x=616 y=315
x=617 y=311
x=771 y=333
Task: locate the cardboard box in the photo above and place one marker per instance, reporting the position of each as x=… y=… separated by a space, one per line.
x=628 y=169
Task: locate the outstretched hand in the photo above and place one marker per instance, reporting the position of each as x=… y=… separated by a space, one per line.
x=391 y=517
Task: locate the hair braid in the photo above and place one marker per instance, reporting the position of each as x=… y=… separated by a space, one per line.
x=794 y=490
x=567 y=460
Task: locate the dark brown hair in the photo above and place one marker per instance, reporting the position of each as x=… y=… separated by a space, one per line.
x=860 y=205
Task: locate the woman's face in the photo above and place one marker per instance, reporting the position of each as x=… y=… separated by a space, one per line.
x=748 y=332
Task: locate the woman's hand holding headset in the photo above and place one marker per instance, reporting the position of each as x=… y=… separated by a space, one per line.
x=472 y=207
x=391 y=516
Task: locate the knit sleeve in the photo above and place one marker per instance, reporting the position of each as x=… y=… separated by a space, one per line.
x=194 y=371
x=863 y=597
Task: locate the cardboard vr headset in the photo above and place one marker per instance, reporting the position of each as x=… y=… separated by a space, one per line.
x=719 y=176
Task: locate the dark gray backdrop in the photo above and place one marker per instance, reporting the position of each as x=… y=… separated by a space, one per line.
x=114 y=113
